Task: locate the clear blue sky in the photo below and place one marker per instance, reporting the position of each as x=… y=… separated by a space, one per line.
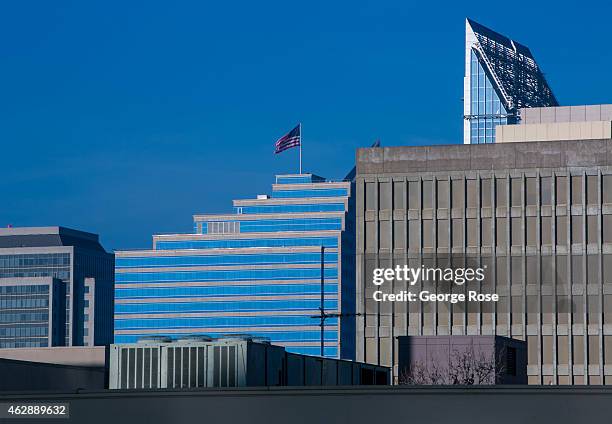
x=125 y=118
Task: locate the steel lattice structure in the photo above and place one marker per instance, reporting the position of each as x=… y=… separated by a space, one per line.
x=501 y=77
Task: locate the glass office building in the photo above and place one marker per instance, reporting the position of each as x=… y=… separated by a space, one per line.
x=255 y=271
x=31 y=313
x=501 y=76
x=51 y=271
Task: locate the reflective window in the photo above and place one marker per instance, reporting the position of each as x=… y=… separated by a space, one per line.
x=226 y=275
x=24 y=316
x=306 y=193
x=227 y=259
x=237 y=243
x=274 y=225
x=486 y=108
x=315 y=207
x=225 y=306
x=36 y=265
x=225 y=290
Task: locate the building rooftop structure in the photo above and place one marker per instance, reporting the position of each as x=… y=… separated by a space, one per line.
x=453 y=157
x=501 y=76
x=15 y=237
x=558 y=114
x=229 y=361
x=583 y=122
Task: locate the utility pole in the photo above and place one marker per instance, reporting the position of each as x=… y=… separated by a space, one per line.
x=322 y=314
x=322 y=307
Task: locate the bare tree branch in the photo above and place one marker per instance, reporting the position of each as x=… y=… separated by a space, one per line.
x=465 y=367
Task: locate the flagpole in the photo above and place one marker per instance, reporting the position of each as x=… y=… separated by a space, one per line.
x=300 y=148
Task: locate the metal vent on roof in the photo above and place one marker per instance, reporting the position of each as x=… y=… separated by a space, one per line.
x=154 y=339
x=194 y=338
x=235 y=337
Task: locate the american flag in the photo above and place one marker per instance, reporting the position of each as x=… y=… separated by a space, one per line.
x=292 y=139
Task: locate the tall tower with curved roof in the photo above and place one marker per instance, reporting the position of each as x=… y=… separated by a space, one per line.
x=501 y=76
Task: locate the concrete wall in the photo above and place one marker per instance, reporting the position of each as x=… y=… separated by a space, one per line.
x=75 y=355
x=544 y=154
x=591 y=130
x=25 y=375
x=583 y=113
x=539 y=214
x=356 y=405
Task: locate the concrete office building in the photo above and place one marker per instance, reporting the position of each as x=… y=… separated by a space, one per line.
x=501 y=76
x=256 y=271
x=538 y=215
x=229 y=362
x=56 y=288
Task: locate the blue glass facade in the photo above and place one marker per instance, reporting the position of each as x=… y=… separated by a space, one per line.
x=256 y=271
x=485 y=105
x=318 y=207
x=242 y=243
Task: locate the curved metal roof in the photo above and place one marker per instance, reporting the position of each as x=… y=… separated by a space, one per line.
x=512 y=69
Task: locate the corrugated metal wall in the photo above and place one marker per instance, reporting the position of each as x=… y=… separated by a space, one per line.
x=239 y=364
